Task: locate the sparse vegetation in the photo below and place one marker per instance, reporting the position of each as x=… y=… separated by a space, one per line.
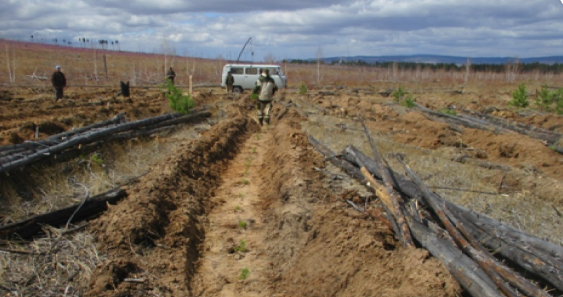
x=548 y=100
x=245 y=181
x=520 y=97
x=244 y=273
x=409 y=101
x=178 y=101
x=242 y=224
x=398 y=94
x=303 y=89
x=241 y=247
x=451 y=112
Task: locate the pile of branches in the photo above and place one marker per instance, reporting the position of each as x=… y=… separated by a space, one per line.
x=482 y=121
x=72 y=143
x=487 y=257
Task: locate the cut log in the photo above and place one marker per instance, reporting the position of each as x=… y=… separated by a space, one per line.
x=459 y=121
x=80 y=140
x=30 y=227
x=400 y=182
x=532 y=131
x=396 y=201
x=524 y=259
x=468 y=274
x=494 y=269
x=331 y=156
x=54 y=139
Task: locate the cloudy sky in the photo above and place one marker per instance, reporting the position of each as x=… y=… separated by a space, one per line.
x=289 y=29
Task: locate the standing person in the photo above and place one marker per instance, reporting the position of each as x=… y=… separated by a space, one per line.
x=265 y=87
x=229 y=81
x=171 y=75
x=59 y=82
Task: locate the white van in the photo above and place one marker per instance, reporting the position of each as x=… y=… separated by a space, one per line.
x=246 y=75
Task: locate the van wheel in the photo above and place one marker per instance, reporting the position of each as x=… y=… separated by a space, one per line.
x=237 y=90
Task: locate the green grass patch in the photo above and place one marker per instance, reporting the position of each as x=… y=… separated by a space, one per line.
x=244 y=273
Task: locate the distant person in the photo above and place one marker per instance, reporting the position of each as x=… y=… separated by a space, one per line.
x=171 y=75
x=265 y=87
x=59 y=82
x=229 y=81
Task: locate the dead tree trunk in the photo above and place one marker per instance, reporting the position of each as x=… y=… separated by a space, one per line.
x=28 y=228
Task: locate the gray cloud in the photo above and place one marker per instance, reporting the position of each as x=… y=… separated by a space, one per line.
x=297 y=29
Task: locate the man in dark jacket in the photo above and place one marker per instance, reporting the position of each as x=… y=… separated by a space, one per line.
x=171 y=75
x=229 y=81
x=59 y=82
x=265 y=87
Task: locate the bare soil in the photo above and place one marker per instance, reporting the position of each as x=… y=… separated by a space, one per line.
x=240 y=211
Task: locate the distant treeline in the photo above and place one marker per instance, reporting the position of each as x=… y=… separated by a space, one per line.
x=555 y=68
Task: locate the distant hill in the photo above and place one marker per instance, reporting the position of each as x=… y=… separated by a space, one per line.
x=434 y=59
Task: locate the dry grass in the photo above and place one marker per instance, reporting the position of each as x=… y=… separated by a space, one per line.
x=522 y=209
x=45 y=189
x=57 y=265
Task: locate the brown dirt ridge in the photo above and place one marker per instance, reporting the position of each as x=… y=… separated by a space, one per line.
x=181 y=227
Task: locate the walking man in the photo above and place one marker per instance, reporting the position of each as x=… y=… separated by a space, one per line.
x=265 y=87
x=229 y=81
x=171 y=75
x=59 y=82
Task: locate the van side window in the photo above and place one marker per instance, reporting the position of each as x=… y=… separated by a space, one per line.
x=251 y=70
x=274 y=71
x=237 y=70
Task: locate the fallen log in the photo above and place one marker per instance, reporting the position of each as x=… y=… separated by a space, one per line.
x=532 y=131
x=494 y=269
x=331 y=156
x=399 y=182
x=465 y=159
x=518 y=255
x=470 y=276
x=395 y=200
x=30 y=227
x=459 y=121
x=81 y=140
x=55 y=139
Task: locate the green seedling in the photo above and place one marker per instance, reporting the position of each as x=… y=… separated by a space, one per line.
x=244 y=273
x=97 y=159
x=238 y=208
x=303 y=89
x=448 y=111
x=258 y=136
x=240 y=195
x=241 y=247
x=254 y=150
x=245 y=181
x=242 y=224
x=245 y=172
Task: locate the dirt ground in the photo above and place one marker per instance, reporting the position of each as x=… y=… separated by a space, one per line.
x=240 y=210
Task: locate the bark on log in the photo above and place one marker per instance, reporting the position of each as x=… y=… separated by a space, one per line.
x=30 y=227
x=400 y=182
x=331 y=156
x=494 y=269
x=526 y=260
x=468 y=274
x=54 y=139
x=82 y=139
x=396 y=201
x=532 y=131
x=465 y=159
x=456 y=120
